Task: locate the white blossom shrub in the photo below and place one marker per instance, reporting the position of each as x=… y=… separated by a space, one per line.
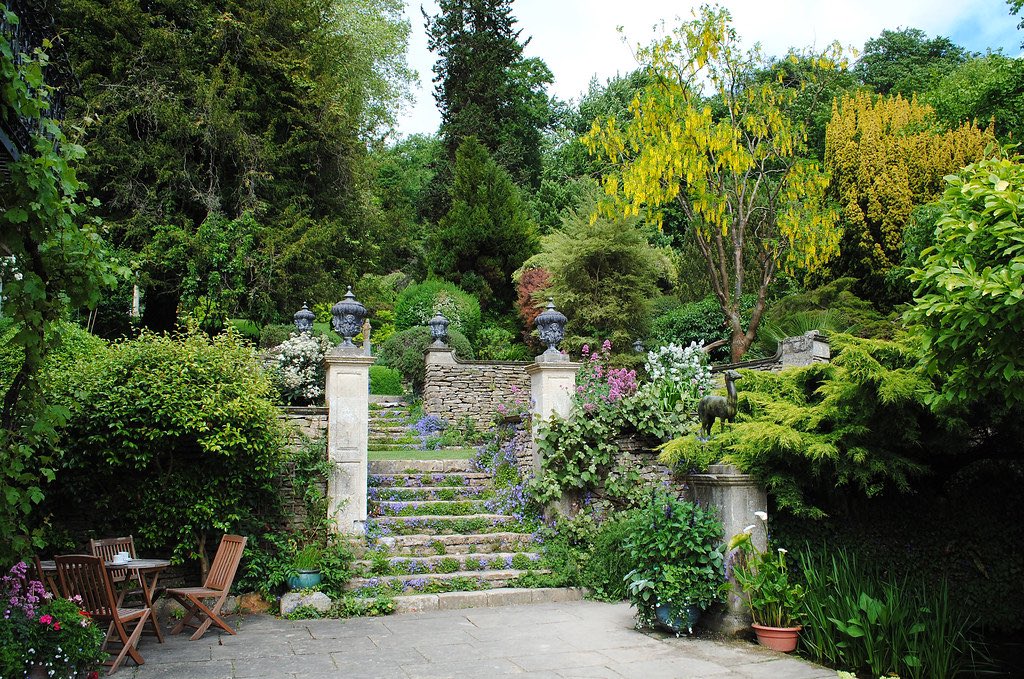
x=677 y=375
x=301 y=376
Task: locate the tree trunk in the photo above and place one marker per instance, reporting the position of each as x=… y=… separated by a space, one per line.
x=204 y=561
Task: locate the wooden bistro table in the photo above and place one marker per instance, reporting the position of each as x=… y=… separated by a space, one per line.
x=147 y=570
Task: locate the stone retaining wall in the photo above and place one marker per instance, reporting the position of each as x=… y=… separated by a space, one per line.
x=300 y=422
x=455 y=389
x=793 y=352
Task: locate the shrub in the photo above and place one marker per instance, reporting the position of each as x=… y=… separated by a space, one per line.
x=385 y=381
x=301 y=374
x=495 y=343
x=172 y=439
x=273 y=335
x=697 y=322
x=420 y=302
x=404 y=352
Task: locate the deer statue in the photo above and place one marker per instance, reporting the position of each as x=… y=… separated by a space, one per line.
x=724 y=409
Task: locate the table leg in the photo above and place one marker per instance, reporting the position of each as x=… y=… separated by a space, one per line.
x=148 y=587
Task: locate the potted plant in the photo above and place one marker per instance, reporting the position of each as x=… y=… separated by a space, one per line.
x=305 y=567
x=43 y=635
x=766 y=586
x=676 y=548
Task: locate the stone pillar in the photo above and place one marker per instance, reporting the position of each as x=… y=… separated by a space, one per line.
x=348 y=420
x=552 y=383
x=736 y=497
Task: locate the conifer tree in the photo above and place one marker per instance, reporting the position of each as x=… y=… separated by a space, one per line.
x=487 y=234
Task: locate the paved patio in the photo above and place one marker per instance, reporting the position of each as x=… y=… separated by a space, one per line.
x=573 y=639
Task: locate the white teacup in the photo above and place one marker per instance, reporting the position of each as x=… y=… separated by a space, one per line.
x=122 y=557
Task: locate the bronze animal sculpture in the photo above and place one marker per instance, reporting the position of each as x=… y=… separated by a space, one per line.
x=711 y=407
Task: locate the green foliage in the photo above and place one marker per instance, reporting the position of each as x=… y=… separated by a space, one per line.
x=190 y=416
x=906 y=61
x=677 y=549
x=764 y=581
x=404 y=352
x=274 y=335
x=860 y=423
x=232 y=110
x=487 y=234
x=696 y=322
x=496 y=343
x=985 y=88
x=485 y=88
x=858 y=619
x=970 y=285
x=834 y=302
x=385 y=381
x=420 y=302
x=603 y=274
x=53 y=259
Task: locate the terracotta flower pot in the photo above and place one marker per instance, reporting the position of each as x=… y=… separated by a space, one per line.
x=777 y=638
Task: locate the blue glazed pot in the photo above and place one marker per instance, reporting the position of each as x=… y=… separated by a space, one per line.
x=304 y=580
x=686 y=620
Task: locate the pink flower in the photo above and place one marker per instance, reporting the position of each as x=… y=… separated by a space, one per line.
x=586 y=349
x=45 y=619
x=606 y=345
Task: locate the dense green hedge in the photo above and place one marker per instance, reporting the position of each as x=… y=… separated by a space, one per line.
x=385 y=381
x=419 y=302
x=696 y=322
x=404 y=351
x=170 y=439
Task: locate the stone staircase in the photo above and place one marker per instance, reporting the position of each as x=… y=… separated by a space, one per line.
x=432 y=540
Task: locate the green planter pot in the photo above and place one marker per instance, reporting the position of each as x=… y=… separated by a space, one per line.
x=685 y=620
x=304 y=580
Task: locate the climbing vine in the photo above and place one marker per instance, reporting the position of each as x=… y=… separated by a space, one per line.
x=54 y=260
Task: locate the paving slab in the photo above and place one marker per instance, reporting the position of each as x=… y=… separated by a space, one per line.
x=552 y=640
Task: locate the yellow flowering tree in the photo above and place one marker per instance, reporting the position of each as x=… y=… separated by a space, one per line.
x=887 y=155
x=730 y=160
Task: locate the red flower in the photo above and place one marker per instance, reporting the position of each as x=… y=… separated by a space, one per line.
x=56 y=627
x=93 y=675
x=84 y=613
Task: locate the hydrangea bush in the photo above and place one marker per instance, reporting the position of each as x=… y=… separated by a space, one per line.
x=301 y=375
x=40 y=630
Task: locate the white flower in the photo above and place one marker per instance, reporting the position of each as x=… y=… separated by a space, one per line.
x=761 y=515
x=783 y=550
x=749 y=529
x=17 y=275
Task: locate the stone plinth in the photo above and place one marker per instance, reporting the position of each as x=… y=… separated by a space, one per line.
x=552 y=384
x=736 y=497
x=348 y=391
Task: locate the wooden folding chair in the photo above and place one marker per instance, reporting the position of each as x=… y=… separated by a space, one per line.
x=217 y=585
x=107 y=549
x=86 y=576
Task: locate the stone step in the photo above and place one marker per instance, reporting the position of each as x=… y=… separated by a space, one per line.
x=390 y=445
x=421 y=466
x=486 y=579
x=444 y=525
x=422 y=544
x=429 y=564
x=450 y=508
x=401 y=493
x=419 y=480
x=487 y=598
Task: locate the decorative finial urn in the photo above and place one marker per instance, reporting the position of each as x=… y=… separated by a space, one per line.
x=438 y=329
x=348 y=317
x=551 y=327
x=304 y=319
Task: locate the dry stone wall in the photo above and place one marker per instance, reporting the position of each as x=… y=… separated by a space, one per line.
x=300 y=423
x=454 y=390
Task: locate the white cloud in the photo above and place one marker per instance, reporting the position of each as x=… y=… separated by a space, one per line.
x=578 y=38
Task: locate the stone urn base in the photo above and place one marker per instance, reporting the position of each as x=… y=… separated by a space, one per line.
x=777 y=638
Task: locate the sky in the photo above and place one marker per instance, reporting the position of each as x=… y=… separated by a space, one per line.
x=578 y=38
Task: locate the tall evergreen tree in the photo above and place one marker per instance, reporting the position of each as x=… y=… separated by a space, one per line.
x=485 y=88
x=487 y=234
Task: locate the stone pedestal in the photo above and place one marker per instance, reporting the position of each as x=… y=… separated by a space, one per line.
x=552 y=383
x=348 y=419
x=736 y=497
